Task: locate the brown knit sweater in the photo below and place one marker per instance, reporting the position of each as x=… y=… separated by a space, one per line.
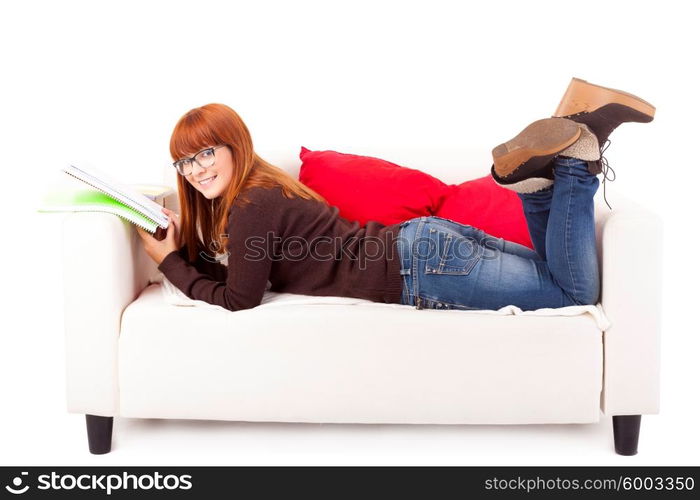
x=300 y=246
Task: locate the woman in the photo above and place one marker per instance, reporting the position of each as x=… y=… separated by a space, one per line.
x=281 y=235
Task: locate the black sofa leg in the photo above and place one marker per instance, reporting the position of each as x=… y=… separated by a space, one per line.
x=626 y=433
x=99 y=430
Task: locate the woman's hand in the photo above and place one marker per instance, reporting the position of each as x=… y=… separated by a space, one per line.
x=158 y=250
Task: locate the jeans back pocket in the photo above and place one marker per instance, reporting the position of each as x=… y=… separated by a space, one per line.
x=451 y=252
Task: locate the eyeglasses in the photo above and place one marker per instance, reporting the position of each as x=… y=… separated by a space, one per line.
x=205 y=159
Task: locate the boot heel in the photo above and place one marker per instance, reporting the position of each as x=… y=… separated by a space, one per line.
x=582 y=96
x=541 y=139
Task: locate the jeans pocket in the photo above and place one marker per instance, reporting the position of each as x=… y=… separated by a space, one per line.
x=451 y=252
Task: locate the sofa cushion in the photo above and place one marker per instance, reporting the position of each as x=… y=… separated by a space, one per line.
x=173 y=296
x=368 y=188
x=281 y=362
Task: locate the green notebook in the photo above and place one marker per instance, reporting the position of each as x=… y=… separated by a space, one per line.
x=88 y=189
x=90 y=200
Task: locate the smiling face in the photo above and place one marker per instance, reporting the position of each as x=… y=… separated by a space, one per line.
x=216 y=177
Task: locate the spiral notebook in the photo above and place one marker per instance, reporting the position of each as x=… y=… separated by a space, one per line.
x=133 y=203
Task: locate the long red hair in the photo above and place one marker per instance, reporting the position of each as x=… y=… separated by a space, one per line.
x=207 y=126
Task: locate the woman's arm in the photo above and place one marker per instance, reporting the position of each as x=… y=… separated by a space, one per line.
x=203 y=265
x=249 y=263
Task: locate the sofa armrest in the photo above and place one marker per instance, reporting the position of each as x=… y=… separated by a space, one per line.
x=171 y=201
x=630 y=252
x=104 y=269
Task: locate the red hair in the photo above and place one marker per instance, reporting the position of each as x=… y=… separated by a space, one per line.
x=208 y=126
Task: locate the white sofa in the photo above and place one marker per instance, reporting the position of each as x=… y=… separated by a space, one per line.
x=131 y=353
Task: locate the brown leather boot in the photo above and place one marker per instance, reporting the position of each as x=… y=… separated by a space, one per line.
x=523 y=164
x=602 y=109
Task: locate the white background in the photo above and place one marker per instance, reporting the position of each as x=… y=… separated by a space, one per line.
x=106 y=82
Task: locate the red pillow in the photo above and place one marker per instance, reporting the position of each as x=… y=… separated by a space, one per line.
x=367 y=188
x=484 y=204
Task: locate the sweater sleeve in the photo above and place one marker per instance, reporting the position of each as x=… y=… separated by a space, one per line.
x=249 y=263
x=205 y=266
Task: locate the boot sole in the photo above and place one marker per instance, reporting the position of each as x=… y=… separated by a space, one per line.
x=582 y=96
x=542 y=138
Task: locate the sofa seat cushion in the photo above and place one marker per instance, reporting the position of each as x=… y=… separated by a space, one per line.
x=174 y=296
x=361 y=363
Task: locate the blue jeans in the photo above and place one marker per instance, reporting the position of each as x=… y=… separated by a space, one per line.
x=448 y=265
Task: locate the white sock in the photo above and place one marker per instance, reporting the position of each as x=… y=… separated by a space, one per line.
x=585 y=148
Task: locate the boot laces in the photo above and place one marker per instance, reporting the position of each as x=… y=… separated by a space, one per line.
x=605 y=168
